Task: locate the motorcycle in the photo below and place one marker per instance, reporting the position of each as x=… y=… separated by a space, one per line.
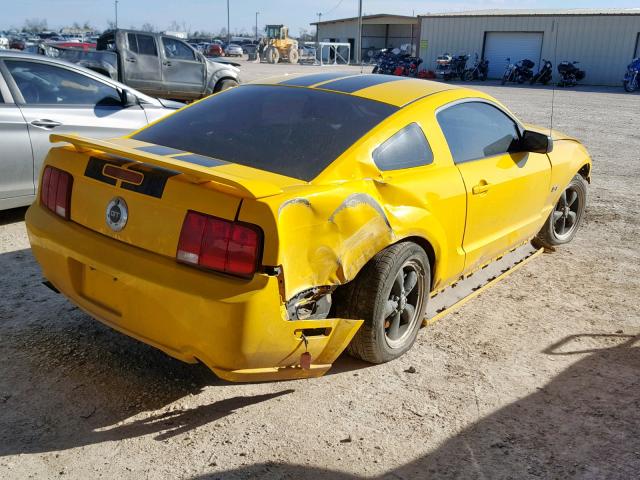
x=632 y=77
x=399 y=64
x=479 y=70
x=449 y=67
x=519 y=72
x=569 y=74
x=544 y=75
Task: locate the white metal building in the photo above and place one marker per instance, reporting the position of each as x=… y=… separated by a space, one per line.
x=378 y=31
x=603 y=41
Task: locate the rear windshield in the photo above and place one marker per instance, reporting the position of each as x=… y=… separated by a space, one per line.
x=295 y=132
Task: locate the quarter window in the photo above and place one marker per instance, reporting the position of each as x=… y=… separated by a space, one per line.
x=176 y=49
x=477 y=130
x=42 y=84
x=407 y=148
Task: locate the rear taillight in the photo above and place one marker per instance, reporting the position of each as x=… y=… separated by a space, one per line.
x=221 y=245
x=55 y=191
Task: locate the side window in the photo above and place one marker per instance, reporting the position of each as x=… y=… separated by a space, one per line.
x=133 y=42
x=42 y=84
x=407 y=148
x=147 y=45
x=477 y=130
x=176 y=49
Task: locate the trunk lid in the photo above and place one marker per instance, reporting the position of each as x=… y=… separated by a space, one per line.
x=153 y=188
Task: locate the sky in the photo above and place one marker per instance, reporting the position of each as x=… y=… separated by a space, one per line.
x=210 y=15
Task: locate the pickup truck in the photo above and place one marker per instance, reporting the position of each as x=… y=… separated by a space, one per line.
x=156 y=64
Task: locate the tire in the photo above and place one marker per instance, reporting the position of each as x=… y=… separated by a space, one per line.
x=467 y=76
x=272 y=55
x=630 y=86
x=533 y=80
x=375 y=69
x=224 y=84
x=293 y=56
x=555 y=230
x=505 y=77
x=377 y=290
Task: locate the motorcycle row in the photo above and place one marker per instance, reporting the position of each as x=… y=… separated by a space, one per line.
x=452 y=67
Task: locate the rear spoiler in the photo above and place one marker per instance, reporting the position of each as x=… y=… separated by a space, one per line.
x=225 y=182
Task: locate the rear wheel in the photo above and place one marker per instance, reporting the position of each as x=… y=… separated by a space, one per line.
x=563 y=223
x=390 y=294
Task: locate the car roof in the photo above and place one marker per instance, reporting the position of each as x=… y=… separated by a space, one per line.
x=391 y=89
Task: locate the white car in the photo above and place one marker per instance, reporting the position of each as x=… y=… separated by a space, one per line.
x=41 y=95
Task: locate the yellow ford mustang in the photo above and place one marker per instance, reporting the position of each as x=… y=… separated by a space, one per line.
x=265 y=229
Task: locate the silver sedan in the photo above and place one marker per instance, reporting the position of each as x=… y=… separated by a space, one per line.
x=232 y=50
x=40 y=95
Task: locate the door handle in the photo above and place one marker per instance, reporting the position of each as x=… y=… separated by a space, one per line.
x=168 y=64
x=482 y=187
x=46 y=124
x=132 y=60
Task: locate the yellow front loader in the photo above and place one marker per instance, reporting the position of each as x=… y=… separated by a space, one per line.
x=279 y=46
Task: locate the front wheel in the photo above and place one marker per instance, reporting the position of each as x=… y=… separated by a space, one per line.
x=630 y=85
x=225 y=84
x=390 y=294
x=563 y=223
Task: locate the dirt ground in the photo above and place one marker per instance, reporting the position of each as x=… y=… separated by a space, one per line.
x=539 y=377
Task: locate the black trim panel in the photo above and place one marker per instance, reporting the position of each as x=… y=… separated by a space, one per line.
x=353 y=84
x=155 y=179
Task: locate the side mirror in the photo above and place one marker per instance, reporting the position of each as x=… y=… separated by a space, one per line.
x=129 y=99
x=535 y=142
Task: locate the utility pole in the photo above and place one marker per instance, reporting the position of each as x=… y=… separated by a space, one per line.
x=359 y=52
x=257 y=13
x=318 y=27
x=228 y=27
x=116 y=3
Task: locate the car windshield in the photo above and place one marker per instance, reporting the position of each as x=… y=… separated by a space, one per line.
x=291 y=131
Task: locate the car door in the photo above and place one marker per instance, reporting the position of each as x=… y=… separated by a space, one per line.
x=182 y=71
x=54 y=98
x=16 y=159
x=506 y=191
x=142 y=63
x=425 y=182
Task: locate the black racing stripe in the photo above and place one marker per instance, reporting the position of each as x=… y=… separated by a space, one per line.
x=308 y=80
x=160 y=150
x=353 y=84
x=95 y=166
x=201 y=160
x=155 y=179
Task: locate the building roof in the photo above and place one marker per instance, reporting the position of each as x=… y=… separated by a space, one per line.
x=391 y=89
x=373 y=19
x=536 y=12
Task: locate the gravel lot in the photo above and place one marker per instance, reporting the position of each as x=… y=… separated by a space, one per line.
x=539 y=377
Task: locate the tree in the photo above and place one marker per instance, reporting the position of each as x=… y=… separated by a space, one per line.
x=35 y=25
x=111 y=25
x=147 y=27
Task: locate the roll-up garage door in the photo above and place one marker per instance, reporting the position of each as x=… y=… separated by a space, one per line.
x=498 y=46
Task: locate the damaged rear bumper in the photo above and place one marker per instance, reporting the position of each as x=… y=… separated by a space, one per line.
x=238 y=328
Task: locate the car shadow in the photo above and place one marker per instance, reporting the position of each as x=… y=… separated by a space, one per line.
x=13 y=215
x=68 y=381
x=582 y=424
